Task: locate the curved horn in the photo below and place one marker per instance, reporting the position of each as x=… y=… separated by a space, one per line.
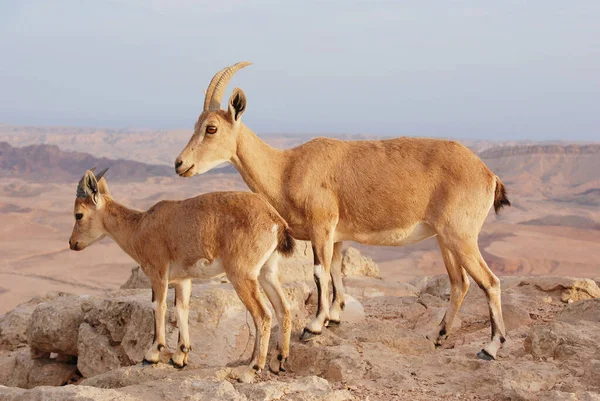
x=211 y=87
x=217 y=86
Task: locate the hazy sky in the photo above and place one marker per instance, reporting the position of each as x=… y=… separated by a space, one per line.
x=467 y=69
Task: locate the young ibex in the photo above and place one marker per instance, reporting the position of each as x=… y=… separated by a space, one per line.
x=387 y=192
x=174 y=241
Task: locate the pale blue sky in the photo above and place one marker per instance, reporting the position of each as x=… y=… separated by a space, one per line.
x=468 y=69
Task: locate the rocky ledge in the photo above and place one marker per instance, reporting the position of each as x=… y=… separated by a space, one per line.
x=69 y=347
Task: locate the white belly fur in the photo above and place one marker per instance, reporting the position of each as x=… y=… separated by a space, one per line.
x=202 y=269
x=396 y=237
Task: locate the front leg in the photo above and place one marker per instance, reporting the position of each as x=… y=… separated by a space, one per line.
x=183 y=290
x=323 y=253
x=337 y=303
x=159 y=301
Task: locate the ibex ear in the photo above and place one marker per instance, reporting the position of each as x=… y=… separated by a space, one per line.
x=91 y=185
x=237 y=104
x=102 y=185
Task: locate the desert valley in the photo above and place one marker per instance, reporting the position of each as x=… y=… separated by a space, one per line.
x=553 y=227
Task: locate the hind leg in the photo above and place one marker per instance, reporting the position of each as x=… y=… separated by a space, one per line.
x=183 y=290
x=322 y=240
x=459 y=283
x=159 y=301
x=249 y=293
x=269 y=281
x=468 y=255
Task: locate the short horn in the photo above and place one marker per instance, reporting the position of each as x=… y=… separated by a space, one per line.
x=101 y=174
x=214 y=93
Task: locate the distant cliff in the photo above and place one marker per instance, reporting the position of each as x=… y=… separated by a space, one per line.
x=50 y=162
x=506 y=151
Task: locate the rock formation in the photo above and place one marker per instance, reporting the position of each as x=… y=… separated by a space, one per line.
x=378 y=353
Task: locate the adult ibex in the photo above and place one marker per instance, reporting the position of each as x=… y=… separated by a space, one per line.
x=237 y=233
x=384 y=192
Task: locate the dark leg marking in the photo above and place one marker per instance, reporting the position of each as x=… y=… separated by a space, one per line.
x=318 y=282
x=316 y=260
x=255 y=367
x=154 y=315
x=175 y=301
x=443 y=332
x=153 y=296
x=492 y=320
x=333 y=290
x=160 y=347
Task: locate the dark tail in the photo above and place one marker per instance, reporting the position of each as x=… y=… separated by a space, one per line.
x=285 y=242
x=500 y=199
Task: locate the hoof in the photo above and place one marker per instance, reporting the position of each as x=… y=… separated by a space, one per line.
x=172 y=363
x=333 y=323
x=484 y=355
x=275 y=371
x=277 y=364
x=308 y=335
x=146 y=362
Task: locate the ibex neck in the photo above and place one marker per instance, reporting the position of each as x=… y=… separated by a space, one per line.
x=260 y=165
x=121 y=225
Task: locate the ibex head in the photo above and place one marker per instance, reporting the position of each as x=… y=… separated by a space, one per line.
x=89 y=204
x=215 y=133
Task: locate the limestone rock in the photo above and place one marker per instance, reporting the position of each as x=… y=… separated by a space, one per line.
x=334 y=362
x=137 y=280
x=356 y=264
x=589 y=396
x=29 y=373
x=7 y=365
x=65 y=393
x=368 y=287
x=432 y=317
x=438 y=286
x=299 y=267
x=560 y=396
x=310 y=388
x=515 y=316
x=353 y=310
x=588 y=310
x=570 y=288
x=54 y=326
x=13 y=325
x=96 y=354
x=563 y=341
x=118 y=328
x=189 y=388
x=581 y=289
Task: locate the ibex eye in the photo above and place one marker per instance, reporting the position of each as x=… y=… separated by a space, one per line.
x=211 y=129
x=79 y=216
